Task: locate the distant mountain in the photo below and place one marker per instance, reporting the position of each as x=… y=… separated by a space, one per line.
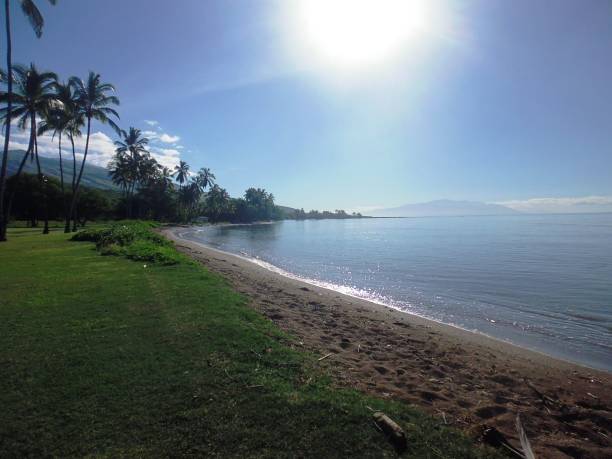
x=93 y=176
x=446 y=208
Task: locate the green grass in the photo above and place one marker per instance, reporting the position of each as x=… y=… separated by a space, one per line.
x=102 y=357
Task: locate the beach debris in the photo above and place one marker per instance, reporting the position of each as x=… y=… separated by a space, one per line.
x=546 y=400
x=325 y=356
x=527 y=452
x=395 y=434
x=493 y=437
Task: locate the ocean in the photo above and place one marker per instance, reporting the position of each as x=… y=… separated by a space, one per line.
x=543 y=282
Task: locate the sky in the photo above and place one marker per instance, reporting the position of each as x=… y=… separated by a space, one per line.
x=490 y=100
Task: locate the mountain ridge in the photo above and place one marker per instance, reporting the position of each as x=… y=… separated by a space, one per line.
x=93 y=176
x=444 y=208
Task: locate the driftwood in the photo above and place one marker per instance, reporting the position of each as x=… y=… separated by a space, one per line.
x=546 y=400
x=394 y=432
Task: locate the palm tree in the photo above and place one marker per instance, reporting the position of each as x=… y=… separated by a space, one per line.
x=181 y=172
x=217 y=202
x=59 y=119
x=134 y=146
x=33 y=97
x=132 y=143
x=93 y=103
x=76 y=120
x=204 y=179
x=37 y=21
x=120 y=171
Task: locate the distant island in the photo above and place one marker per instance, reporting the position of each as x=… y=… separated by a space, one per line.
x=444 y=208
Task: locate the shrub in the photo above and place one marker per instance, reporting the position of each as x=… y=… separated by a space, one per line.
x=142 y=250
x=134 y=240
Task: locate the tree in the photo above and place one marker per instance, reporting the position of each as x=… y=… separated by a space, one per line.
x=156 y=199
x=121 y=172
x=132 y=163
x=94 y=103
x=93 y=204
x=59 y=119
x=33 y=97
x=218 y=203
x=181 y=172
x=37 y=21
x=204 y=179
x=29 y=197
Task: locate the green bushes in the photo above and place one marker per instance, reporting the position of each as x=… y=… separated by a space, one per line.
x=134 y=240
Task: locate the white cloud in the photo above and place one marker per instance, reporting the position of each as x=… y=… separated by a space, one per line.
x=166 y=138
x=101 y=146
x=167 y=157
x=561 y=205
x=163 y=137
x=152 y=123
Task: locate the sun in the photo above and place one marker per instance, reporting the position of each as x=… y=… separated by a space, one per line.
x=358 y=33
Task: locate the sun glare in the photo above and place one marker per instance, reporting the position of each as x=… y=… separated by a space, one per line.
x=358 y=33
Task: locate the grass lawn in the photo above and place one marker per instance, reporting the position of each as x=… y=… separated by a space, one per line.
x=101 y=356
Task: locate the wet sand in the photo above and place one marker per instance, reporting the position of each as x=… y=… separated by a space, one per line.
x=465 y=379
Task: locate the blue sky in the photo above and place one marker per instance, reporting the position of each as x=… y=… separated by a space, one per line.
x=504 y=101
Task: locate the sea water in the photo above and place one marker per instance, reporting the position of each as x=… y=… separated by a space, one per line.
x=540 y=281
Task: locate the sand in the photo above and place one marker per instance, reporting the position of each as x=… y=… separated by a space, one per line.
x=465 y=379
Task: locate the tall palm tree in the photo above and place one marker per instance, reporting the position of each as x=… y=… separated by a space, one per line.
x=75 y=121
x=37 y=21
x=59 y=119
x=94 y=103
x=32 y=98
x=132 y=154
x=181 y=173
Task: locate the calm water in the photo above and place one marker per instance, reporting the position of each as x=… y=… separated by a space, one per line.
x=543 y=282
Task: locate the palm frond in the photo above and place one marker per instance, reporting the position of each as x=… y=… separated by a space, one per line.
x=33 y=14
x=527 y=451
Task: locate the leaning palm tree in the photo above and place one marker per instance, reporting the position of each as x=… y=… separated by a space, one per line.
x=93 y=103
x=37 y=21
x=33 y=97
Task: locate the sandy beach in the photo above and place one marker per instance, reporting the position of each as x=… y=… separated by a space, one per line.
x=465 y=379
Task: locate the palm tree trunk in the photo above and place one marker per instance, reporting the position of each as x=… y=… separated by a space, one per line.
x=43 y=181
x=9 y=205
x=73 y=163
x=75 y=194
x=74 y=174
x=62 y=175
x=7 y=133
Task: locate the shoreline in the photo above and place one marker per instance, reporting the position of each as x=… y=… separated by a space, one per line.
x=330 y=287
x=468 y=379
